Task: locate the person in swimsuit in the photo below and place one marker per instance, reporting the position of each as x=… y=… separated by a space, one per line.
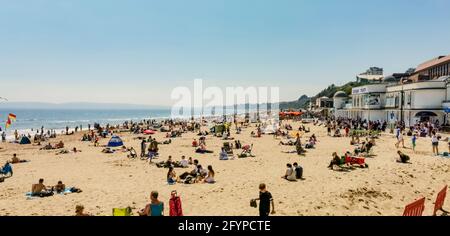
x=155 y=208
x=210 y=177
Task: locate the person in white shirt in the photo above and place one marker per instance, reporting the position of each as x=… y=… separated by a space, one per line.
x=290 y=173
x=435 y=143
x=184 y=163
x=401 y=140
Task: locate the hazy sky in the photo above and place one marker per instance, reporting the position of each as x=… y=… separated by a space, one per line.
x=137 y=51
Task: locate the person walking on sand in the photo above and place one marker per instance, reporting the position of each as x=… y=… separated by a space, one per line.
x=401 y=140
x=265 y=200
x=435 y=143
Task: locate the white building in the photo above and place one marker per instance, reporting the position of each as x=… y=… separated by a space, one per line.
x=392 y=102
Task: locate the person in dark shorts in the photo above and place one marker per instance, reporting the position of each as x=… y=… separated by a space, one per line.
x=265 y=200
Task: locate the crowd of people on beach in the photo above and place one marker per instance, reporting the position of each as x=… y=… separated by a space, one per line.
x=363 y=136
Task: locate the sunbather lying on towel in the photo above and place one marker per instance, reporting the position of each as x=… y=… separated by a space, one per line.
x=16 y=160
x=59 y=145
x=108 y=150
x=287 y=143
x=202 y=149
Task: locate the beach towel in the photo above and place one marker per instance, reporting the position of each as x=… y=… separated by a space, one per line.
x=175 y=206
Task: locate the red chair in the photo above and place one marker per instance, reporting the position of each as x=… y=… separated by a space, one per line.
x=415 y=209
x=438 y=205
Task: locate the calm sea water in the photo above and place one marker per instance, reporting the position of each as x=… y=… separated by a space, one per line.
x=28 y=119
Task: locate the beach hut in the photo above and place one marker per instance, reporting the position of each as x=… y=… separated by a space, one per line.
x=24 y=140
x=115 y=141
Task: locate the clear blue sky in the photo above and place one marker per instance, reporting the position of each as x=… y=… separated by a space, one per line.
x=136 y=51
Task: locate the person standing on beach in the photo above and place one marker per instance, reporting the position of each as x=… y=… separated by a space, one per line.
x=401 y=140
x=3 y=136
x=435 y=143
x=67 y=130
x=413 y=140
x=265 y=200
x=143 y=148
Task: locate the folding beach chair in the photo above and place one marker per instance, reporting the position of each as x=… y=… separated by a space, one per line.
x=122 y=211
x=439 y=204
x=415 y=209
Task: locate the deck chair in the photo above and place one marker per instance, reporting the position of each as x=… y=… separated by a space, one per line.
x=415 y=209
x=228 y=148
x=438 y=205
x=122 y=211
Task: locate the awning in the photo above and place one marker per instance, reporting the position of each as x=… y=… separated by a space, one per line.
x=426 y=114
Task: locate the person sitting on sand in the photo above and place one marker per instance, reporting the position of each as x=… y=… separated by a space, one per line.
x=195 y=143
x=171 y=176
x=59 y=145
x=59 y=187
x=79 y=211
x=201 y=173
x=223 y=156
x=190 y=161
x=290 y=173
x=403 y=157
x=16 y=160
x=210 y=176
x=155 y=208
x=47 y=147
x=6 y=169
x=202 y=149
x=75 y=150
x=335 y=161
x=133 y=153
x=298 y=171
x=40 y=190
x=184 y=163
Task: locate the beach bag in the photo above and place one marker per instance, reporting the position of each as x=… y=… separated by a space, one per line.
x=189 y=180
x=253 y=203
x=122 y=211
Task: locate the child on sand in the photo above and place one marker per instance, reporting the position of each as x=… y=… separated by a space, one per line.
x=79 y=211
x=265 y=200
x=403 y=157
x=414 y=140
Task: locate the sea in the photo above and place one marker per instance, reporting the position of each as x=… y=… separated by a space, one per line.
x=30 y=120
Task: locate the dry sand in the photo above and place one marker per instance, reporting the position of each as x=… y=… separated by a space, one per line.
x=113 y=180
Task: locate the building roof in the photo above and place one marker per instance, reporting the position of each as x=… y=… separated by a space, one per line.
x=433 y=62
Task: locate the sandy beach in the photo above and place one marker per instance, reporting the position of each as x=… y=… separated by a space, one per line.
x=113 y=180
